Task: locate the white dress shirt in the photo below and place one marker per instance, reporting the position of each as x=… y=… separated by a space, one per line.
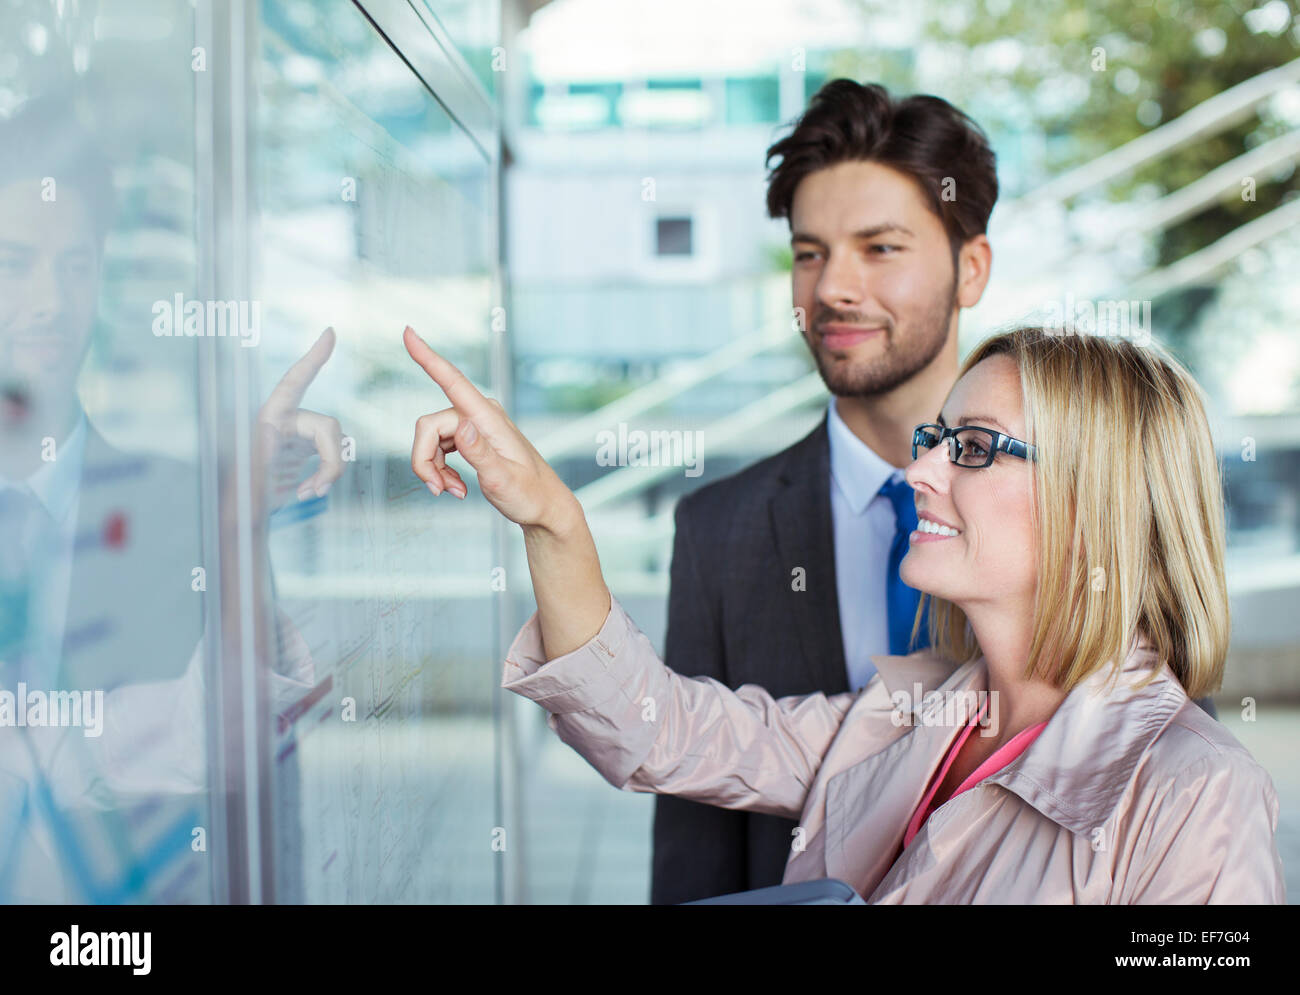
x=57 y=484
x=863 y=524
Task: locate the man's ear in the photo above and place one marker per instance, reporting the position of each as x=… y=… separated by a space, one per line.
x=973 y=265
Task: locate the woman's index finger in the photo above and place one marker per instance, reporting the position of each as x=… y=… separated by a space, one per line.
x=458 y=388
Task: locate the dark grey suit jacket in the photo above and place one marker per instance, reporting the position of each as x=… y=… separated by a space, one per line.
x=734 y=614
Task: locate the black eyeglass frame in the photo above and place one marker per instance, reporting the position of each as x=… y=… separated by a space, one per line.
x=999 y=442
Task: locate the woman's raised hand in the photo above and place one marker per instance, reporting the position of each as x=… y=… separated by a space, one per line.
x=511 y=473
x=573 y=601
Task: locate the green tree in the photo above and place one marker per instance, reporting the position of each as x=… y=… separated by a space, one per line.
x=1092 y=76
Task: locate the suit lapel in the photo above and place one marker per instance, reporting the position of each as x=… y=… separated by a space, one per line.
x=131 y=613
x=92 y=575
x=802 y=530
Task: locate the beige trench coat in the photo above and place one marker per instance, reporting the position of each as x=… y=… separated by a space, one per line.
x=1127 y=796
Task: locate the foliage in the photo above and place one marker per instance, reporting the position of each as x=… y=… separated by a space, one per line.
x=1099 y=74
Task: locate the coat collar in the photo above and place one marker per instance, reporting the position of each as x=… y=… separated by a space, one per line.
x=1074 y=773
x=901 y=674
x=1083 y=761
x=1079 y=767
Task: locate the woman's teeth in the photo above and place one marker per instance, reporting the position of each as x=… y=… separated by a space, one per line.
x=934 y=528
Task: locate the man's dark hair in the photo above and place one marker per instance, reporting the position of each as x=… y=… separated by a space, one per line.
x=924 y=137
x=44 y=138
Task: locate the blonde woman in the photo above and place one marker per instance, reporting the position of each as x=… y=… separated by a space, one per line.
x=1047 y=749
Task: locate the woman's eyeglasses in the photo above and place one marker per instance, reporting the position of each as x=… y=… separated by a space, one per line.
x=969 y=445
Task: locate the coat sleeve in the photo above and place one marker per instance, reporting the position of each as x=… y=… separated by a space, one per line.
x=1208 y=837
x=645 y=728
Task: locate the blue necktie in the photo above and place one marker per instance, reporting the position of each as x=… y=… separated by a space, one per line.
x=901 y=599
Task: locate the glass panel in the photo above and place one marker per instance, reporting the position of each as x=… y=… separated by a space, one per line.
x=376 y=212
x=473 y=26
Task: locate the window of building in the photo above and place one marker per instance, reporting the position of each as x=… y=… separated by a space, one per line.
x=673 y=236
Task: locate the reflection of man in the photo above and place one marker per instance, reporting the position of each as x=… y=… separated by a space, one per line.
x=100 y=548
x=130 y=520
x=786 y=574
x=99 y=544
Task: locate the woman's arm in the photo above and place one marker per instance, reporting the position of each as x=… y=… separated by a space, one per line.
x=582 y=658
x=572 y=599
x=645 y=728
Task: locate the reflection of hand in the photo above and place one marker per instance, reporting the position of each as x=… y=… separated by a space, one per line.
x=511 y=473
x=280 y=419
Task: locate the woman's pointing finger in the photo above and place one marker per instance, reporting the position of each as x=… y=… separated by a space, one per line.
x=462 y=394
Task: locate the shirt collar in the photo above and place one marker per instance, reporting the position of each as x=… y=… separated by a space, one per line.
x=1079 y=767
x=856 y=469
x=55 y=482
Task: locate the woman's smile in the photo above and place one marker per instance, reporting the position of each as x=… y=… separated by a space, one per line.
x=929 y=529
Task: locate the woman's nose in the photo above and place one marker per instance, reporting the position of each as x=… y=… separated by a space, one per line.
x=930 y=469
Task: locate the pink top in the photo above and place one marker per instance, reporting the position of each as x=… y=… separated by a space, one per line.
x=1003 y=756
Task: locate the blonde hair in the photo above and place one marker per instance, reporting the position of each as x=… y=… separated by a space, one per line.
x=1128 y=506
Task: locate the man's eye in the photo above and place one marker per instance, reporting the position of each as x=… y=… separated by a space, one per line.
x=885 y=250
x=801 y=256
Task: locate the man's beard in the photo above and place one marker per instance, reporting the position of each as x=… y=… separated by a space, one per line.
x=900 y=362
